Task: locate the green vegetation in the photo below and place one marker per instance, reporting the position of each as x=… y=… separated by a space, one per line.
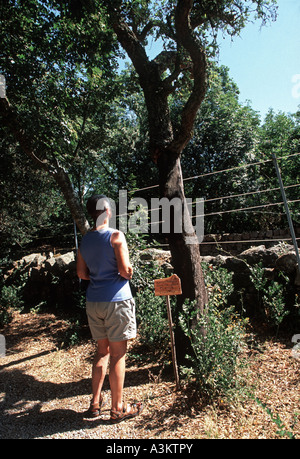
x=213 y=369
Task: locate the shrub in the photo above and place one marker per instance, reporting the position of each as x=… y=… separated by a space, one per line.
x=5 y=308
x=272 y=295
x=215 y=363
x=10 y=298
x=151 y=312
x=152 y=319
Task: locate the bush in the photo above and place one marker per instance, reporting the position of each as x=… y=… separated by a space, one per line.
x=216 y=340
x=151 y=311
x=214 y=365
x=10 y=298
x=151 y=314
x=272 y=295
x=5 y=306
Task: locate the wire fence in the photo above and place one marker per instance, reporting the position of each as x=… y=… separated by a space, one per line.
x=230 y=169
x=263 y=209
x=231 y=196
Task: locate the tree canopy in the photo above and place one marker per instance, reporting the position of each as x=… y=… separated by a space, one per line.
x=82 y=118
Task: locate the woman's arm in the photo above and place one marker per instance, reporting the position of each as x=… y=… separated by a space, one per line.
x=119 y=245
x=81 y=267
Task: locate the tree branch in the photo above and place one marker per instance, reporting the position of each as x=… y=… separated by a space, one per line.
x=155 y=90
x=194 y=48
x=141 y=36
x=130 y=42
x=178 y=68
x=10 y=120
x=62 y=179
x=165 y=60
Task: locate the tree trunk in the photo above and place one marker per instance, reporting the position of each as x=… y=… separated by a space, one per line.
x=72 y=200
x=186 y=258
x=166 y=145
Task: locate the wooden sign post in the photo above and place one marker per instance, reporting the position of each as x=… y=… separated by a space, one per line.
x=165 y=287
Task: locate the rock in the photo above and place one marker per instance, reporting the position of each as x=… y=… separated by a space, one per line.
x=272 y=261
x=33 y=260
x=235 y=264
x=260 y=254
x=66 y=259
x=282 y=248
x=50 y=263
x=51 y=280
x=158 y=255
x=219 y=260
x=254 y=250
x=167 y=268
x=208 y=260
x=60 y=263
x=161 y=257
x=286 y=263
x=269 y=273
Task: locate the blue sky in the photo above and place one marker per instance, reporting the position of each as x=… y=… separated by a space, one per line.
x=265 y=62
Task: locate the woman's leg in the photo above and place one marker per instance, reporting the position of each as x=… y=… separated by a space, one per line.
x=99 y=368
x=117 y=372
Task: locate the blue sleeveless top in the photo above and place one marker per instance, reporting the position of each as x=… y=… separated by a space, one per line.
x=105 y=284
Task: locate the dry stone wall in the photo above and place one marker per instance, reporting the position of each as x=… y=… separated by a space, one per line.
x=53 y=280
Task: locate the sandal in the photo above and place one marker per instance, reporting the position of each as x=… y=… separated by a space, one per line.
x=128 y=411
x=96 y=408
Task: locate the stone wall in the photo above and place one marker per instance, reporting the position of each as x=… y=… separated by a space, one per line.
x=280 y=258
x=53 y=279
x=274 y=260
x=50 y=279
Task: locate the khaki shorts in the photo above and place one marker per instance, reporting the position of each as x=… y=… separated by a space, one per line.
x=112 y=320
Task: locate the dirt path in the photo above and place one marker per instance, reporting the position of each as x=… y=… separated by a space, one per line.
x=45 y=390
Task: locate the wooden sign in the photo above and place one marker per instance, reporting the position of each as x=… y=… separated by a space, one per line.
x=165 y=287
x=168 y=286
